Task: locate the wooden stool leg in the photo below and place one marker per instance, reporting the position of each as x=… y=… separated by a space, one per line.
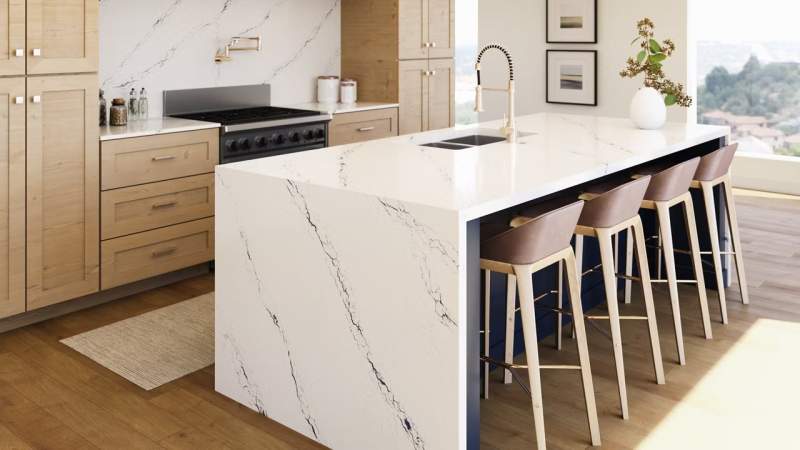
x=662 y=211
x=629 y=238
x=511 y=317
x=711 y=215
x=610 y=281
x=730 y=206
x=583 y=349
x=644 y=270
x=487 y=302
x=559 y=302
x=528 y=312
x=694 y=246
x=579 y=269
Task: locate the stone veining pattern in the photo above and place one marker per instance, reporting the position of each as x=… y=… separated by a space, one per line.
x=170 y=44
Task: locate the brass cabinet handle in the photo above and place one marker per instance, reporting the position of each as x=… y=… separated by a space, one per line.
x=365 y=129
x=164 y=252
x=19 y=52
x=36 y=52
x=36 y=99
x=19 y=100
x=433 y=73
x=433 y=44
x=164 y=204
x=163 y=158
x=426 y=44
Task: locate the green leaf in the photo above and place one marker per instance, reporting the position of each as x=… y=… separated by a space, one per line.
x=654 y=46
x=658 y=57
x=670 y=100
x=655 y=65
x=641 y=56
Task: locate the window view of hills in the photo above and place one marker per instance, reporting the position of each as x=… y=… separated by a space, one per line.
x=755 y=89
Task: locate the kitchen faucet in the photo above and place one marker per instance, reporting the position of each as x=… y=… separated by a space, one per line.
x=510 y=127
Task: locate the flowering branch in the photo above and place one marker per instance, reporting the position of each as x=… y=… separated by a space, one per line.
x=649 y=61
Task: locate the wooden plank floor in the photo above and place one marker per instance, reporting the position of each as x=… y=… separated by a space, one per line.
x=748 y=355
x=52 y=397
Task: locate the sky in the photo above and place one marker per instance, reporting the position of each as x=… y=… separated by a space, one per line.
x=747 y=20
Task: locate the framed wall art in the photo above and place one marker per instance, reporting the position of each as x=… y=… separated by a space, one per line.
x=572 y=77
x=571 y=21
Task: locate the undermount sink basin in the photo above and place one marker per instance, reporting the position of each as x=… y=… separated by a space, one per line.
x=476 y=140
x=446 y=145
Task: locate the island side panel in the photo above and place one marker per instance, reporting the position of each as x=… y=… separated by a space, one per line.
x=337 y=314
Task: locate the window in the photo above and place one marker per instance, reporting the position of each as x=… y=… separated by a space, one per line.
x=466 y=49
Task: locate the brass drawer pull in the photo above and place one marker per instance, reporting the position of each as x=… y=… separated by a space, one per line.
x=19 y=52
x=165 y=204
x=164 y=252
x=163 y=158
x=36 y=52
x=365 y=129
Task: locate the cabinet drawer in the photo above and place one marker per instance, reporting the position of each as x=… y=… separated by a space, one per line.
x=129 y=162
x=143 y=255
x=155 y=205
x=348 y=128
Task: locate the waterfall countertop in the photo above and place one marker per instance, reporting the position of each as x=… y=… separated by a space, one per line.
x=347 y=278
x=555 y=151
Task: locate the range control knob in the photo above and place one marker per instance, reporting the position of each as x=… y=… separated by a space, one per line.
x=294 y=137
x=277 y=139
x=231 y=146
x=320 y=133
x=243 y=143
x=308 y=135
x=261 y=141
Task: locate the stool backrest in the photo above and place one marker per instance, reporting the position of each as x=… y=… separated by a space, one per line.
x=536 y=239
x=616 y=205
x=715 y=164
x=672 y=182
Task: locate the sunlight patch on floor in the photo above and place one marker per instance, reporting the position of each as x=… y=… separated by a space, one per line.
x=749 y=399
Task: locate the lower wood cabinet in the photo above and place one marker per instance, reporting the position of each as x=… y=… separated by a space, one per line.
x=12 y=196
x=347 y=128
x=63 y=189
x=144 y=255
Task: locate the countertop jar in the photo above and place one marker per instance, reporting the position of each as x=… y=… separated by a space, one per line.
x=119 y=112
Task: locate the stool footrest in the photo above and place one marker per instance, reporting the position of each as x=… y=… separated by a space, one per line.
x=678 y=281
x=593 y=317
x=508 y=366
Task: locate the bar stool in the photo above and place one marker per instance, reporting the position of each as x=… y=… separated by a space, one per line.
x=520 y=252
x=607 y=213
x=670 y=188
x=713 y=171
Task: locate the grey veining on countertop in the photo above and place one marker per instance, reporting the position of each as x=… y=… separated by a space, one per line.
x=151 y=127
x=343 y=108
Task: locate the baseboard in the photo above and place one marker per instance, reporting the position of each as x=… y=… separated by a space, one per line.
x=99 y=298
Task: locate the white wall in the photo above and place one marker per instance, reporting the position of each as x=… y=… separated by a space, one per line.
x=520 y=26
x=170 y=44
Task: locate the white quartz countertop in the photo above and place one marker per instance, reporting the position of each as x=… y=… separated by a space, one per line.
x=341 y=108
x=557 y=151
x=149 y=127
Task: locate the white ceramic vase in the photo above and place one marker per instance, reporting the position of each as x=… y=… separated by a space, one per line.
x=648 y=110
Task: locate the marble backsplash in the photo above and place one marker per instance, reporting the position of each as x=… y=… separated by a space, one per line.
x=170 y=44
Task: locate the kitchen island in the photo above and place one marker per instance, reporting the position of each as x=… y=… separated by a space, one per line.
x=347 y=278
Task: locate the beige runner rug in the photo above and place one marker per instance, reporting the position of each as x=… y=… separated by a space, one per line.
x=156 y=347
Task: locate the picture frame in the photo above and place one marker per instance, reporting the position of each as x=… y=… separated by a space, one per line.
x=571 y=21
x=571 y=77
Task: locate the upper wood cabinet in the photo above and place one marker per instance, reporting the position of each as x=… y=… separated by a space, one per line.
x=61 y=36
x=12 y=37
x=441 y=92
x=63 y=189
x=426 y=95
x=426 y=29
x=12 y=196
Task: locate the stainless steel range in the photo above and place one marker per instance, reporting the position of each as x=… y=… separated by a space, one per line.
x=250 y=127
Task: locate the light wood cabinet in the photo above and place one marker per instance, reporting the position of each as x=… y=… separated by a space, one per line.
x=402 y=52
x=348 y=128
x=426 y=92
x=12 y=196
x=61 y=36
x=63 y=189
x=12 y=37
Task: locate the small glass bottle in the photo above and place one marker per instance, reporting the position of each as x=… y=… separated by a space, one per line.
x=143 y=104
x=119 y=113
x=133 y=105
x=103 y=110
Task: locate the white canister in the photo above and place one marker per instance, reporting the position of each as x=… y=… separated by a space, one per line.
x=328 y=89
x=349 y=91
